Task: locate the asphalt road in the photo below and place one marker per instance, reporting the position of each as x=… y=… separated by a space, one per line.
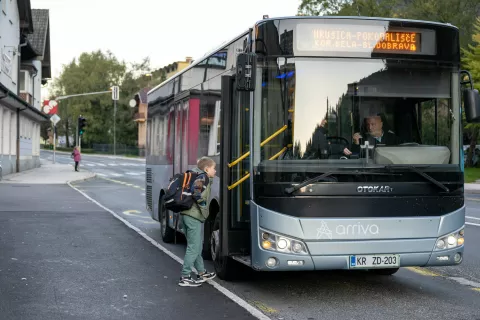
x=440 y=293
x=64 y=257
x=129 y=170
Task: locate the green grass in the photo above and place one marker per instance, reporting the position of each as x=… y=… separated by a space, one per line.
x=472 y=175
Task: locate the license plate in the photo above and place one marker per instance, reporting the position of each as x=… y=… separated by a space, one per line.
x=375 y=261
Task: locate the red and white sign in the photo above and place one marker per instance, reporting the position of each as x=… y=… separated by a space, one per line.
x=50 y=106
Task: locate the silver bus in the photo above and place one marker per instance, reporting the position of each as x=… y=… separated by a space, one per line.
x=338 y=144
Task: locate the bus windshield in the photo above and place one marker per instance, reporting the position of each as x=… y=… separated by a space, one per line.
x=356 y=113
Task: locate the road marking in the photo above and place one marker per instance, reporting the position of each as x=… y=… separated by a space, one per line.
x=232 y=296
x=473 y=199
x=473 y=224
x=423 y=271
x=468 y=217
x=130 y=212
x=465 y=282
x=123 y=183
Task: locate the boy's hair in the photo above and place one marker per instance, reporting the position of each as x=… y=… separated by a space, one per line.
x=204 y=162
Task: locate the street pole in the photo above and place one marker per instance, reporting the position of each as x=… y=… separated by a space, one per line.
x=54 y=141
x=114 y=127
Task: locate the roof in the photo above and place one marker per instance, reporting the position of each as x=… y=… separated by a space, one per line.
x=40 y=39
x=142 y=95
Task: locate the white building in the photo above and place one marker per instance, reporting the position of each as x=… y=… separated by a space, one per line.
x=25 y=66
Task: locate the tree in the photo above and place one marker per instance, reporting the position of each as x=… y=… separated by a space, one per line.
x=460 y=13
x=92 y=72
x=471 y=62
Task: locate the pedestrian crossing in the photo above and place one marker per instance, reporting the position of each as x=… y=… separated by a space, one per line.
x=112 y=164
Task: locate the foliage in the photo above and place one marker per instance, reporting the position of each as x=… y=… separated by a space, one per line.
x=96 y=72
x=461 y=13
x=471 y=62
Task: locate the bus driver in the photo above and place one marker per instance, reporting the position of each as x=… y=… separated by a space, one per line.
x=375 y=135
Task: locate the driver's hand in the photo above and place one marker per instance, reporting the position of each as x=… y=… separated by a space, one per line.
x=356 y=137
x=347 y=152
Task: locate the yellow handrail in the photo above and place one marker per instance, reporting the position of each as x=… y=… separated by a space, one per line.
x=239 y=181
x=261 y=145
x=278 y=154
x=248 y=175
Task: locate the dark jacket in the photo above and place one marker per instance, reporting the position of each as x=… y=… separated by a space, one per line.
x=388 y=139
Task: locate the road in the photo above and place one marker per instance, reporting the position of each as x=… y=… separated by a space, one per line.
x=64 y=257
x=412 y=293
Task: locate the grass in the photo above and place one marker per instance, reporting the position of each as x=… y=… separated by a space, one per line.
x=472 y=175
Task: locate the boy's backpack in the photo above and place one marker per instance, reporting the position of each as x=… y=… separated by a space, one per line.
x=178 y=197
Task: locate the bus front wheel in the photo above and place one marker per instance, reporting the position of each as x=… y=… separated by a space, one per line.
x=168 y=234
x=225 y=267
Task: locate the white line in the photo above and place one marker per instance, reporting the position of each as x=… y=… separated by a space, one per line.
x=232 y=296
x=101 y=174
x=466 y=282
x=472 y=218
x=473 y=224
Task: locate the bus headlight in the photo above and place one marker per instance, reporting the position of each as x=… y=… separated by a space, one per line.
x=275 y=242
x=451 y=240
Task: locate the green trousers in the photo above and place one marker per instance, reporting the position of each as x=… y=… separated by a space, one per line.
x=193 y=256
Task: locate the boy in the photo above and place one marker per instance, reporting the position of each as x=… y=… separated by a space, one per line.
x=192 y=225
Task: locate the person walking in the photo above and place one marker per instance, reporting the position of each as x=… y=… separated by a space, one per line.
x=76 y=157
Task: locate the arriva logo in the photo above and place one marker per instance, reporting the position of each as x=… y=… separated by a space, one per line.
x=357 y=229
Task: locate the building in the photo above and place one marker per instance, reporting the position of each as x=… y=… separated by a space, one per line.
x=141 y=116
x=25 y=66
x=174 y=67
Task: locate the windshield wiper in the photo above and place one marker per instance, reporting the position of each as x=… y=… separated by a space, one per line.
x=326 y=174
x=423 y=174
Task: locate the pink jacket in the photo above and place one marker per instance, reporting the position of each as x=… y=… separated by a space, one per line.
x=76 y=155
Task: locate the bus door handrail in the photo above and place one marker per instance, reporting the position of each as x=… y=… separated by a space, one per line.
x=232 y=164
x=230 y=187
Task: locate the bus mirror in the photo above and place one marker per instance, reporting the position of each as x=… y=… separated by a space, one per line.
x=471 y=101
x=246 y=66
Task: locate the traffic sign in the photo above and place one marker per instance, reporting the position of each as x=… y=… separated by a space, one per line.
x=115 y=93
x=54 y=119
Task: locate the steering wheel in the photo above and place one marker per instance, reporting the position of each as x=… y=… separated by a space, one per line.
x=339 y=138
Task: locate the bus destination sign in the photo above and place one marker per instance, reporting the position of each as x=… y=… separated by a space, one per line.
x=377 y=41
x=354 y=39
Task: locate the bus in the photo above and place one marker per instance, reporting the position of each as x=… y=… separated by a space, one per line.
x=338 y=143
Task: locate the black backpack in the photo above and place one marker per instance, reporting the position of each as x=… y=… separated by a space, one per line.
x=178 y=197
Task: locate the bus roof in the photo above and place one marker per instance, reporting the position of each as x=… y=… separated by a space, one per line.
x=226 y=43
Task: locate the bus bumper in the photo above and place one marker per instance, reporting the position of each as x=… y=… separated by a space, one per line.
x=419 y=241
x=262 y=260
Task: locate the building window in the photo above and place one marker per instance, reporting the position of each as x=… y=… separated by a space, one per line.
x=24 y=81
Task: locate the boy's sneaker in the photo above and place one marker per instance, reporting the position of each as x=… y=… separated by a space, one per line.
x=206 y=276
x=189 y=282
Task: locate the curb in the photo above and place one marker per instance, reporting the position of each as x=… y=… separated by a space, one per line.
x=82 y=179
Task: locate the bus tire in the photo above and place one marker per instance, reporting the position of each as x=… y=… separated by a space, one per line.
x=167 y=233
x=385 y=272
x=225 y=267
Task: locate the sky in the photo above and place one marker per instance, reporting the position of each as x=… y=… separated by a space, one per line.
x=164 y=30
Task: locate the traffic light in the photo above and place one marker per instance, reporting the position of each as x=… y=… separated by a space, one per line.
x=82 y=122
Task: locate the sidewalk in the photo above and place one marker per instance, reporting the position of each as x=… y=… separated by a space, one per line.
x=48 y=173
x=472 y=187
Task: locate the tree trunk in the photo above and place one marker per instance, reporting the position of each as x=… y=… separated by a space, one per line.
x=66 y=134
